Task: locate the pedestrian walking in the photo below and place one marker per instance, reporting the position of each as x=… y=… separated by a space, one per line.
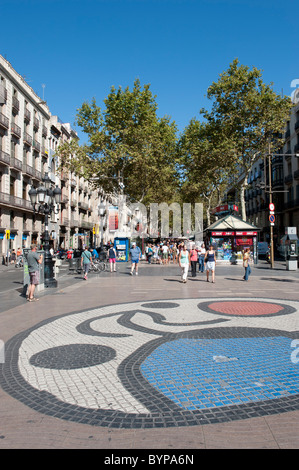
x=165 y=250
x=86 y=260
x=193 y=260
x=135 y=255
x=150 y=253
x=184 y=263
x=33 y=261
x=112 y=258
x=246 y=264
x=210 y=260
x=201 y=258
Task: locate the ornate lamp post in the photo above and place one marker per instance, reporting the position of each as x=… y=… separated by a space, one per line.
x=102 y=213
x=45 y=200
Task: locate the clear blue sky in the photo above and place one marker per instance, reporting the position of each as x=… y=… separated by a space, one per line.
x=79 y=49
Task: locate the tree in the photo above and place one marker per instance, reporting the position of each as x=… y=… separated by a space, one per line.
x=204 y=170
x=127 y=139
x=250 y=114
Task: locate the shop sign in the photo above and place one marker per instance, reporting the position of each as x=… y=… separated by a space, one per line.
x=225 y=208
x=246 y=234
x=222 y=234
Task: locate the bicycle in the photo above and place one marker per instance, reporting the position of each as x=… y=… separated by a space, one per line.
x=98 y=266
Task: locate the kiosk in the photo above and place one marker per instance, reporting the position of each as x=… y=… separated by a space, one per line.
x=230 y=236
x=122 y=248
x=291 y=244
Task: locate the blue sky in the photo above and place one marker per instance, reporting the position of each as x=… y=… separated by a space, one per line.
x=79 y=49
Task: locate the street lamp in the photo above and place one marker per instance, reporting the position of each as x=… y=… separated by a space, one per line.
x=45 y=200
x=102 y=213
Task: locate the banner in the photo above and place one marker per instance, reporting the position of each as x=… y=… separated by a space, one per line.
x=113 y=219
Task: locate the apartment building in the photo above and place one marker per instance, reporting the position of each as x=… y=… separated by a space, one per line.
x=29 y=137
x=291 y=169
x=24 y=127
x=281 y=173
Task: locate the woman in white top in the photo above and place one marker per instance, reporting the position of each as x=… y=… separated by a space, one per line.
x=184 y=262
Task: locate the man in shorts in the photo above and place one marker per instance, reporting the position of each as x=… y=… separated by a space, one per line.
x=33 y=260
x=135 y=254
x=112 y=258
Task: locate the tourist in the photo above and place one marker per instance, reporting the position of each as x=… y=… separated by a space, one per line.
x=112 y=258
x=86 y=260
x=210 y=260
x=184 y=263
x=201 y=258
x=193 y=260
x=246 y=264
x=33 y=261
x=135 y=255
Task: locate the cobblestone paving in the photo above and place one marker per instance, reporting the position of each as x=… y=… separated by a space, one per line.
x=159 y=363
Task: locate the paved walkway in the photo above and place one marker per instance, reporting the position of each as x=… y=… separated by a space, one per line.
x=135 y=362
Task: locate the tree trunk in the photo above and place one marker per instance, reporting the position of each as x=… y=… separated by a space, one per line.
x=242 y=197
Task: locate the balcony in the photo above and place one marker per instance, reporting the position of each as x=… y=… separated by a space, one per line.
x=14 y=201
x=4 y=121
x=277 y=183
x=15 y=130
x=36 y=124
x=15 y=105
x=64 y=198
x=86 y=224
x=44 y=151
x=15 y=163
x=83 y=206
x=65 y=221
x=37 y=174
x=4 y=158
x=27 y=169
x=63 y=177
x=27 y=115
x=289 y=179
x=27 y=139
x=296 y=175
x=73 y=202
x=74 y=223
x=36 y=145
x=3 y=93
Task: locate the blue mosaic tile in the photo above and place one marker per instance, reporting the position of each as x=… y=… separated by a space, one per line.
x=220 y=372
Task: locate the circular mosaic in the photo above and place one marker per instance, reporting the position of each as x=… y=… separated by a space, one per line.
x=159 y=364
x=246 y=308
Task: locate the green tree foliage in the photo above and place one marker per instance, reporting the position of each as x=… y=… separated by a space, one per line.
x=204 y=170
x=126 y=139
x=250 y=114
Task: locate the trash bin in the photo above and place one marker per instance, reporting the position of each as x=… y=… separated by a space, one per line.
x=75 y=264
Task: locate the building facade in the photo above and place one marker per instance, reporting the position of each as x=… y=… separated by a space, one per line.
x=278 y=173
x=29 y=138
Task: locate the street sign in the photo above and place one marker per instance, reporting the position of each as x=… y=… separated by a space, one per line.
x=272 y=218
x=271 y=206
x=7 y=234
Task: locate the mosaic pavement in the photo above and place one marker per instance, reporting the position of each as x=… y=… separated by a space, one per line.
x=159 y=364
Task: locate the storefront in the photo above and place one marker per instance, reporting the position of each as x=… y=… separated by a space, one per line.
x=230 y=236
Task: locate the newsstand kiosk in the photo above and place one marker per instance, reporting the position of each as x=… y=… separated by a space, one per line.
x=122 y=248
x=230 y=236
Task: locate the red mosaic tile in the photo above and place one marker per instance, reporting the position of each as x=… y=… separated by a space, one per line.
x=245 y=308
